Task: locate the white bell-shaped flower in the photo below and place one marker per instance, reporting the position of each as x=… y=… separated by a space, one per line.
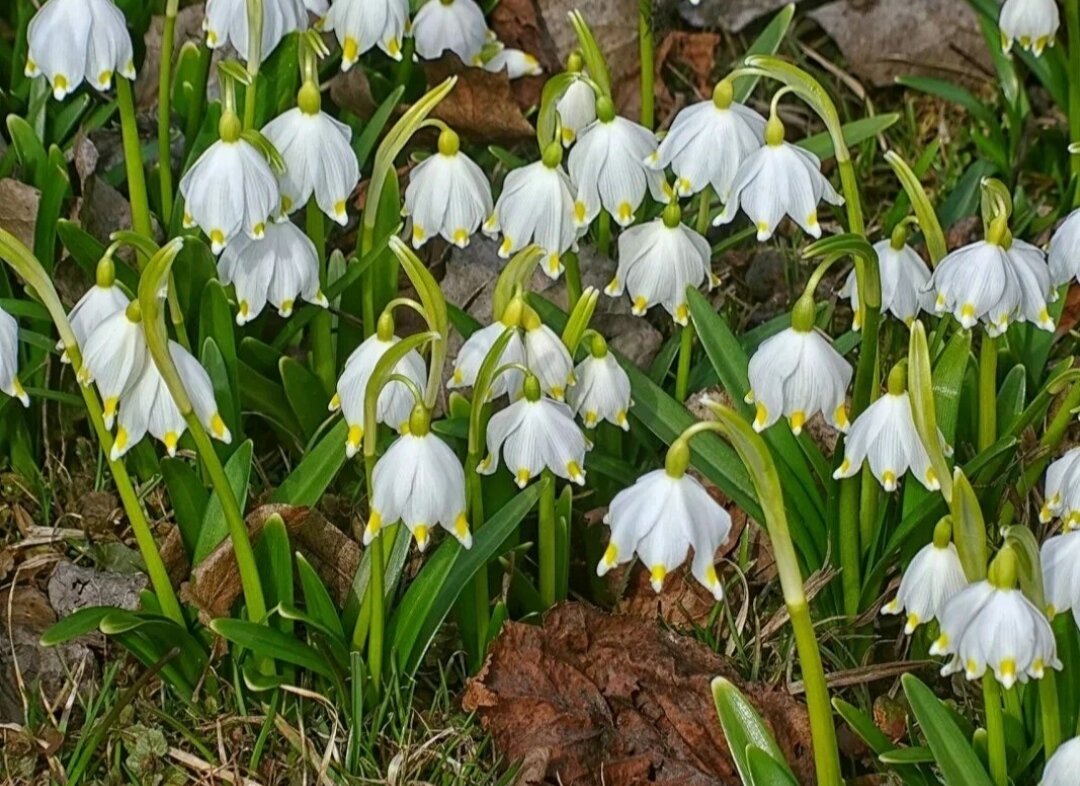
x=114 y=355
x=779 y=179
x=319 y=159
x=362 y=24
x=419 y=482
x=395 y=401
x=476 y=348
x=448 y=195
x=230 y=189
x=71 y=41
x=100 y=301
x=994 y=281
x=514 y=62
x=658 y=261
x=904 y=278
x=602 y=390
x=1060 y=558
x=1031 y=23
x=1062 y=767
x=576 y=107
x=456 y=26
x=547 y=357
x=1062 y=496
x=536 y=206
x=226 y=22
x=991 y=625
x=150 y=407
x=1064 y=251
x=797 y=373
x=534 y=433
x=884 y=435
x=708 y=142
x=661 y=517
x=932 y=578
x=9 y=359
x=608 y=167
x=279 y=268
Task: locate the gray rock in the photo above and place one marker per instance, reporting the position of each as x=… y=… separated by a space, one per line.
x=73 y=587
x=732 y=15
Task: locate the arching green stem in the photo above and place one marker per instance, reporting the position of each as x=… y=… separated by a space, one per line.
x=133 y=163
x=755 y=455
x=23 y=262
x=254 y=10
x=154 y=276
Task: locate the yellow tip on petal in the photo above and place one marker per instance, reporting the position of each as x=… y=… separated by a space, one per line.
x=797 y=420
x=335 y=403
x=522 y=477
x=217 y=426
x=840 y=418
x=625 y=213
x=967 y=311
x=657 y=575
x=420 y=532
x=912 y=623
x=761 y=416
x=105 y=78
x=418 y=234
x=339 y=209
x=682 y=313
x=461 y=527
x=574 y=471
x=611 y=556
x=373 y=527
x=258 y=230
x=640 y=305
x=110 y=407
x=170 y=439
x=356 y=433
x=579 y=212
x=507 y=244
x=460 y=237
x=349 y=50
x=888 y=480
x=217 y=237
x=393 y=48
x=121 y=439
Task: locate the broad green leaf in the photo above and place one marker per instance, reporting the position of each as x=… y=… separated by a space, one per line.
x=306 y=395
x=952 y=93
x=271 y=643
x=767 y=43
x=369 y=137
x=216 y=322
x=1011 y=398
x=312 y=476
x=214 y=527
x=317 y=600
x=445 y=575
x=744 y=729
x=188 y=497
x=854 y=132
x=76 y=624
x=960 y=765
x=767 y=771
x=274 y=558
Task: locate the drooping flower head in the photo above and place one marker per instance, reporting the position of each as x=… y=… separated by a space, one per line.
x=149 y=407
x=1060 y=558
x=226 y=22
x=904 y=278
x=279 y=268
x=602 y=391
x=114 y=355
x=661 y=517
x=319 y=159
x=885 y=436
x=514 y=62
x=1031 y=23
x=448 y=195
x=658 y=261
x=230 y=189
x=456 y=26
x=1064 y=251
x=797 y=373
x=576 y=107
x=9 y=359
x=608 y=167
x=1063 y=765
x=362 y=24
x=708 y=142
x=932 y=578
x=395 y=400
x=100 y=301
x=537 y=206
x=994 y=281
x=536 y=433
x=419 y=482
x=779 y=179
x=1062 y=496
x=991 y=625
x=72 y=41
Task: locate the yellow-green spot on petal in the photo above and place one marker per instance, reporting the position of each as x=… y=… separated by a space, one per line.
x=458 y=376
x=217 y=426
x=393 y=47
x=798 y=420
x=557 y=392
x=553 y=263
x=812 y=219
x=567 y=135
x=170 y=439
x=972 y=667
x=761 y=415
x=591 y=417
x=60 y=82
x=840 y=417
x=111 y=404
x=374 y=524
x=258 y=230
x=611 y=555
x=211 y=37
x=657 y=575
x=121 y=438
x=626 y=212
x=286 y=307
x=573 y=469
x=460 y=236
x=349 y=50
x=710 y=576
x=356 y=433
x=967 y=311
x=640 y=305
x=339 y=208
x=522 y=476
x=912 y=622
x=105 y=77
x=763 y=227
x=507 y=244
x=682 y=313
x=217 y=237
x=420 y=532
x=845 y=465
x=579 y=211
x=1007 y=668
x=888 y=479
x=286 y=204
x=461 y=526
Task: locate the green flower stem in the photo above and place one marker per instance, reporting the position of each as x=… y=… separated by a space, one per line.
x=759 y=463
x=197 y=107
x=157 y=271
x=140 y=204
x=603 y=233
x=995 y=731
x=573 y=279
x=988 y=353
x=646 y=45
x=1072 y=26
x=322 y=340
x=546 y=541
x=682 y=372
x=376 y=592
x=24 y=263
x=481 y=590
x=255 y=33
x=168 y=36
x=704 y=205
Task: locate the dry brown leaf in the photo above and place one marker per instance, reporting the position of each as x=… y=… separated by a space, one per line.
x=695 y=51
x=481 y=107
x=18 y=209
x=620 y=701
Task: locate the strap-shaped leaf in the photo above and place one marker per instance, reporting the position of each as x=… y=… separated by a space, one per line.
x=959 y=763
x=744 y=729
